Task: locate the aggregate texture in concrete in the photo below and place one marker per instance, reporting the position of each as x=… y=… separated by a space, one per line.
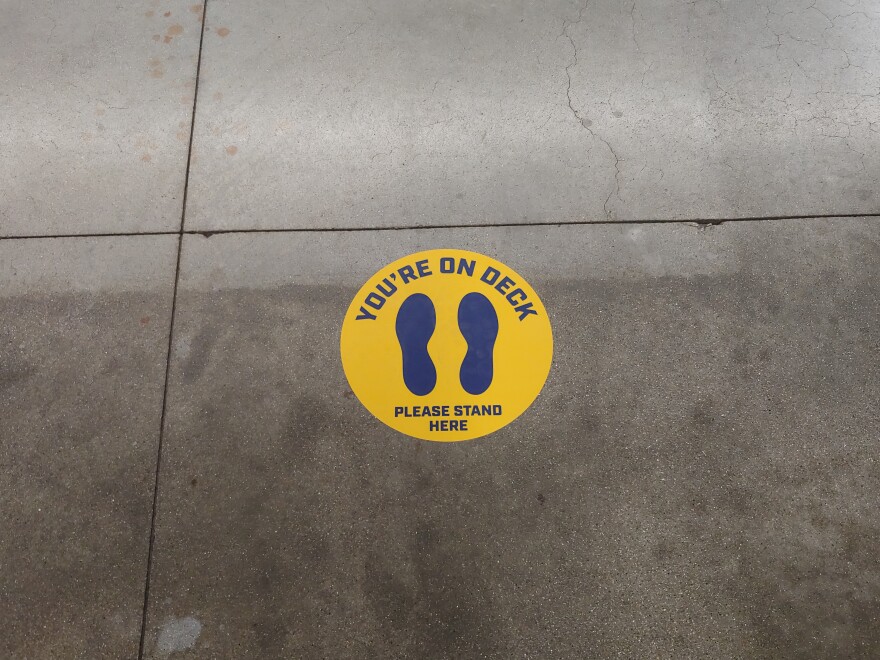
x=83 y=345
x=698 y=479
x=351 y=114
x=96 y=100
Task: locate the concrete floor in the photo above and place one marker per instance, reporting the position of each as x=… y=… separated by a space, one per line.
x=184 y=471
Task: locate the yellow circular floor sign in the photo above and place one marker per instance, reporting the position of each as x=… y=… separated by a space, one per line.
x=446 y=345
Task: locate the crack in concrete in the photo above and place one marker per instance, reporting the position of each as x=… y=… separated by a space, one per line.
x=583 y=121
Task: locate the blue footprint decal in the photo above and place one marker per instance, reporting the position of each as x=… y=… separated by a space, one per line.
x=478 y=323
x=415 y=324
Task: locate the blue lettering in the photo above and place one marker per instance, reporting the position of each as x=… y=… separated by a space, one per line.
x=516 y=296
x=490 y=276
x=525 y=310
x=375 y=301
x=466 y=267
x=504 y=284
x=407 y=273
x=391 y=288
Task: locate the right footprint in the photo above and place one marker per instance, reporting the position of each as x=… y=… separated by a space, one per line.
x=478 y=324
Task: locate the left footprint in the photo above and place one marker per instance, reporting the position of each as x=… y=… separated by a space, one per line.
x=415 y=324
